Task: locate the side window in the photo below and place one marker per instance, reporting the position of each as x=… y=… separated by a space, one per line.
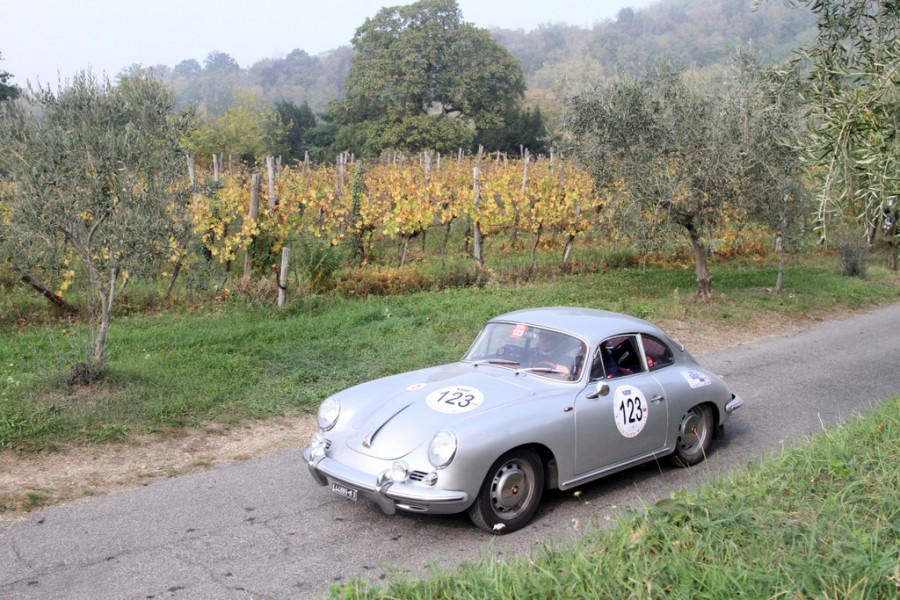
x=658 y=354
x=615 y=357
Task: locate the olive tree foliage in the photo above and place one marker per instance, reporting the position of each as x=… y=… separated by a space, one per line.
x=94 y=171
x=423 y=78
x=772 y=174
x=670 y=141
x=855 y=98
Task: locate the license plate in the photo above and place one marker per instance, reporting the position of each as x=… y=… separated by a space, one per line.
x=344 y=491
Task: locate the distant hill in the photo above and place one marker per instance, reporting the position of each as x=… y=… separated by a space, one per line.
x=691 y=32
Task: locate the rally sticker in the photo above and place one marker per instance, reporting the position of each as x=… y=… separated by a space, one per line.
x=696 y=379
x=630 y=410
x=455 y=399
x=518 y=331
x=415 y=387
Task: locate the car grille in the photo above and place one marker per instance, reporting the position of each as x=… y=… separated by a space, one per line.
x=417 y=475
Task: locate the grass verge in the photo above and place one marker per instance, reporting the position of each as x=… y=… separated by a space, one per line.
x=226 y=362
x=820 y=521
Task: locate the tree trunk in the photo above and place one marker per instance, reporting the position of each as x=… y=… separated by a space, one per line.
x=537 y=241
x=106 y=304
x=404 y=250
x=704 y=285
x=446 y=239
x=38 y=286
x=780 y=280
x=175 y=273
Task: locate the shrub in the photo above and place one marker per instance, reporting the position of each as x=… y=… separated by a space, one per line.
x=853 y=258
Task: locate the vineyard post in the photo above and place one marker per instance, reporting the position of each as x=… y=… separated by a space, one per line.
x=526 y=158
x=283 y=275
x=570 y=241
x=270 y=169
x=253 y=215
x=428 y=198
x=477 y=237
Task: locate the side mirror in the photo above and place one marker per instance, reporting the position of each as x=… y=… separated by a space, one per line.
x=602 y=390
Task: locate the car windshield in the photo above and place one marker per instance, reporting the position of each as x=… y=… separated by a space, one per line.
x=519 y=346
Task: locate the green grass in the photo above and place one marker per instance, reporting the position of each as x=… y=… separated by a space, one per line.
x=819 y=521
x=229 y=361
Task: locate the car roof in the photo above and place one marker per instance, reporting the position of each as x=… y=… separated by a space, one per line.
x=589 y=323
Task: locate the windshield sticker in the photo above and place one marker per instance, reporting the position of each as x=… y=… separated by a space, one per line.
x=416 y=387
x=455 y=399
x=630 y=410
x=518 y=331
x=696 y=379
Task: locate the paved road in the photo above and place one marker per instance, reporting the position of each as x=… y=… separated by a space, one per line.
x=263 y=529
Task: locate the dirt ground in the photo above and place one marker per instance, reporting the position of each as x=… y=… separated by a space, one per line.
x=30 y=482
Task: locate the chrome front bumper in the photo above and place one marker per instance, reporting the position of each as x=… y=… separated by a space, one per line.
x=735 y=403
x=383 y=491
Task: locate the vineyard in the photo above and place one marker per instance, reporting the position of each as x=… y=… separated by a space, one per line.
x=351 y=202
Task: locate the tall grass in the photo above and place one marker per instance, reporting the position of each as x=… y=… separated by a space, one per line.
x=819 y=521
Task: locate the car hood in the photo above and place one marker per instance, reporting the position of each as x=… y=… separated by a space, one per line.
x=391 y=417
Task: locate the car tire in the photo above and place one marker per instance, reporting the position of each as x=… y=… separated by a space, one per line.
x=511 y=492
x=695 y=433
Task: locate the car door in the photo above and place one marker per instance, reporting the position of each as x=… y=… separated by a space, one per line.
x=630 y=420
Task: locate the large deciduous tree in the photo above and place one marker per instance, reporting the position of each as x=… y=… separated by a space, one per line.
x=423 y=78
x=94 y=170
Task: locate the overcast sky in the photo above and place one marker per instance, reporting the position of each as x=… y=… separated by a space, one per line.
x=45 y=39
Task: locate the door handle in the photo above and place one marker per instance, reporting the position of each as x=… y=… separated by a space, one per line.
x=657 y=399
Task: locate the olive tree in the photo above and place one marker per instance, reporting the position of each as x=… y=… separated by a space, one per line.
x=94 y=172
x=775 y=192
x=670 y=139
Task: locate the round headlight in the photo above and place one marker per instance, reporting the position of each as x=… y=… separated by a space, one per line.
x=399 y=471
x=328 y=413
x=442 y=449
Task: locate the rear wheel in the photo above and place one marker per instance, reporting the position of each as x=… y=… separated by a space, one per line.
x=511 y=492
x=695 y=433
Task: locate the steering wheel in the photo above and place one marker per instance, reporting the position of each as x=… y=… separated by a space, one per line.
x=510 y=352
x=546 y=365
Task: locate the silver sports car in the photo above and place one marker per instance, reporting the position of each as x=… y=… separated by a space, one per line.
x=546 y=398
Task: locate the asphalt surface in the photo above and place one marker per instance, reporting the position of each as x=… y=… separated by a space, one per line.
x=264 y=529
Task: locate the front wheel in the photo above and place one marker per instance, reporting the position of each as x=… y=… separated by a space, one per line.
x=511 y=492
x=695 y=434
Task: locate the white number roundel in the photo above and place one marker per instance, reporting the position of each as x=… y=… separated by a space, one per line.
x=455 y=399
x=630 y=410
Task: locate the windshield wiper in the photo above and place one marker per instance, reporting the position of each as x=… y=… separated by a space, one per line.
x=541 y=370
x=496 y=361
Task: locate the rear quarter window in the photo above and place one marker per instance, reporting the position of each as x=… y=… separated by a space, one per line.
x=658 y=354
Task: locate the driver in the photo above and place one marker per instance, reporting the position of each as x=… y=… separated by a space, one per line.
x=556 y=351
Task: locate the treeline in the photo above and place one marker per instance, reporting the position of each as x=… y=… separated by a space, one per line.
x=691 y=32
